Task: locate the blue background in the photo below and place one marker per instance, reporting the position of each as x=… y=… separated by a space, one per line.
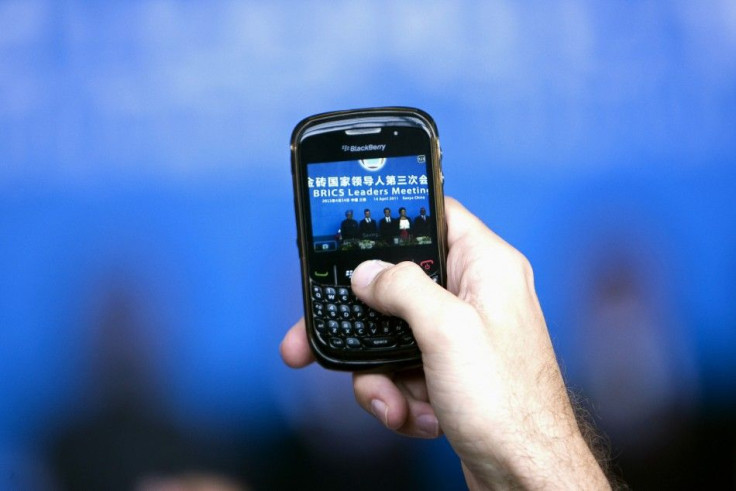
x=147 y=233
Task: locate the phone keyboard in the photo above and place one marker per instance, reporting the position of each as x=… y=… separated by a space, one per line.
x=342 y=321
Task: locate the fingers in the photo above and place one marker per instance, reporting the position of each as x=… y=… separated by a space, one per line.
x=401 y=404
x=405 y=291
x=483 y=269
x=378 y=395
x=294 y=347
x=471 y=241
x=461 y=223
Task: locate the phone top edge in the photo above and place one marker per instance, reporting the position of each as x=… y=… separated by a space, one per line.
x=377 y=112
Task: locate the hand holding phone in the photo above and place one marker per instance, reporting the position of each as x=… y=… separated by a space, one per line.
x=367 y=185
x=493 y=387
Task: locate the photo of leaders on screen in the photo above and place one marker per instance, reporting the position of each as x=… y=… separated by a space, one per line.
x=366 y=204
x=392 y=229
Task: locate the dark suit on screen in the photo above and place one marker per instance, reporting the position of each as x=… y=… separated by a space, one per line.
x=388 y=229
x=422 y=225
x=349 y=229
x=368 y=229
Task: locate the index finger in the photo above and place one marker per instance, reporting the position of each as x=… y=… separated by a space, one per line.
x=462 y=224
x=294 y=348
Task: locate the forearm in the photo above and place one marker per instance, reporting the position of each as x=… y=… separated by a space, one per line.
x=555 y=464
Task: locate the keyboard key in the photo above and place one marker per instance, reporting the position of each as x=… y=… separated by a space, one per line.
x=346 y=327
x=382 y=342
x=407 y=340
x=333 y=327
x=337 y=342
x=360 y=328
x=317 y=292
x=343 y=322
x=386 y=326
x=330 y=294
x=358 y=311
x=331 y=310
x=372 y=328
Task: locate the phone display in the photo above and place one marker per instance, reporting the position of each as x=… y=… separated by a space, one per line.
x=367 y=185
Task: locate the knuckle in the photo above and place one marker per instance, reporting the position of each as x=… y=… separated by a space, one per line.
x=525 y=267
x=518 y=266
x=396 y=278
x=407 y=270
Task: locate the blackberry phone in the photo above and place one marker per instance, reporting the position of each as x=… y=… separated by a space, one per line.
x=367 y=185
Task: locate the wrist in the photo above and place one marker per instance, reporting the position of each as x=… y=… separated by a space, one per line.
x=536 y=461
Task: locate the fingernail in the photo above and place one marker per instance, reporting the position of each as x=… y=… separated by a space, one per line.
x=380 y=411
x=428 y=425
x=367 y=271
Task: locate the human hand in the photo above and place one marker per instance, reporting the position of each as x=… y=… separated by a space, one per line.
x=490 y=379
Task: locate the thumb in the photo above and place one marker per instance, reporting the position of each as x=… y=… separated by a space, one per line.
x=404 y=290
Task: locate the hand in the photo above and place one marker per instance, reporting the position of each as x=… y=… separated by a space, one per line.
x=490 y=379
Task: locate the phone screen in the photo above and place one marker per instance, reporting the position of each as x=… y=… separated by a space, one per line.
x=370 y=208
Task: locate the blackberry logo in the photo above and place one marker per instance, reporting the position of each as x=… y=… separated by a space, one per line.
x=364 y=148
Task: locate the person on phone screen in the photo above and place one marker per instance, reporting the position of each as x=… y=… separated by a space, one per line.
x=422 y=225
x=490 y=380
x=349 y=227
x=404 y=226
x=387 y=226
x=368 y=227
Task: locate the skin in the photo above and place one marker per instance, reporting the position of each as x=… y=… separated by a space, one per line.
x=490 y=380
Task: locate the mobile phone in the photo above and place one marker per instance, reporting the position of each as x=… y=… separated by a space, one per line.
x=367 y=185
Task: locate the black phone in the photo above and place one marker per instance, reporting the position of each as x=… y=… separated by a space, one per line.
x=367 y=185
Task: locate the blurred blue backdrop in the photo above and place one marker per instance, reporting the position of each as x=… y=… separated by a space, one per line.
x=147 y=258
